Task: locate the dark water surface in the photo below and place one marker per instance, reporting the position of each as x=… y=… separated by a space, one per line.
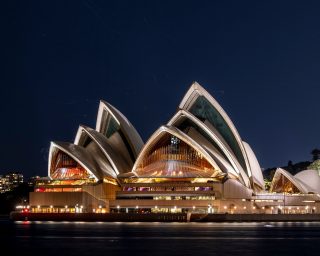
x=80 y=238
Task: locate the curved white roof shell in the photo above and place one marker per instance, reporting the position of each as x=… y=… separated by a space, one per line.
x=310 y=179
x=254 y=166
x=111 y=120
x=112 y=161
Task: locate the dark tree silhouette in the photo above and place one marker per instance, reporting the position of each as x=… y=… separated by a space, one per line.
x=315 y=154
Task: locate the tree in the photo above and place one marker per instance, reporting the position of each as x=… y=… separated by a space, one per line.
x=315 y=154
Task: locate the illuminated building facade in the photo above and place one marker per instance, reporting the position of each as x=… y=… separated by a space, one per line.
x=197 y=162
x=10 y=181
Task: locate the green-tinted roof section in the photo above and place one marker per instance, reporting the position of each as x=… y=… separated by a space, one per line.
x=204 y=110
x=112 y=127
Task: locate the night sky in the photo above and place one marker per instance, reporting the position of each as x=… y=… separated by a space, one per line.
x=259 y=59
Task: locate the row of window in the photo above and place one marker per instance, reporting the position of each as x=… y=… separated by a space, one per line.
x=169 y=197
x=167 y=189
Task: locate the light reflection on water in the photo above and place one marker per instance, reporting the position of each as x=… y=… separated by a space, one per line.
x=156 y=238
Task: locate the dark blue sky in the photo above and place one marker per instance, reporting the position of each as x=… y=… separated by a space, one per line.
x=259 y=59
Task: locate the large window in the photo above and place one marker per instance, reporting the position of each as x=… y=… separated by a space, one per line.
x=172 y=157
x=65 y=167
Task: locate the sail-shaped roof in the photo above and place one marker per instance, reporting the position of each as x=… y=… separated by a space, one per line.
x=119 y=132
x=110 y=160
x=283 y=181
x=202 y=105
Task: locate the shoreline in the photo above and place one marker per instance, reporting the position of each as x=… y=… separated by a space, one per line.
x=160 y=217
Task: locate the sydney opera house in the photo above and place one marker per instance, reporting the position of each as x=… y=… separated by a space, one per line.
x=197 y=162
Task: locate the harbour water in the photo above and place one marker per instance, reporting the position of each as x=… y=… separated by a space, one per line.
x=99 y=238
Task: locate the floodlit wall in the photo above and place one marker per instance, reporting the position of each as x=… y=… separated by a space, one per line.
x=234 y=189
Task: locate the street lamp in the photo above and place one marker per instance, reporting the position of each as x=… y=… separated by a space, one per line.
x=174 y=209
x=118 y=207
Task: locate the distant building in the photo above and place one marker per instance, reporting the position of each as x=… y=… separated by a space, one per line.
x=10 y=181
x=2 y=184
